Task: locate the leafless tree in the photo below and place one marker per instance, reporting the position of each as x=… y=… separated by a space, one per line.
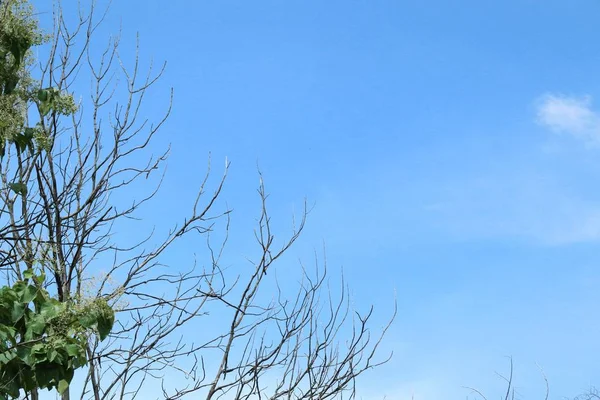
x=592 y=394
x=510 y=392
x=258 y=341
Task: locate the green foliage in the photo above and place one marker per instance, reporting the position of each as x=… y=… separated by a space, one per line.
x=51 y=99
x=19 y=32
x=42 y=340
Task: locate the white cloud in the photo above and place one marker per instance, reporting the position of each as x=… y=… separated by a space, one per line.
x=570 y=115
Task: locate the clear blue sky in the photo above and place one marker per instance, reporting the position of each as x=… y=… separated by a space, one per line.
x=452 y=149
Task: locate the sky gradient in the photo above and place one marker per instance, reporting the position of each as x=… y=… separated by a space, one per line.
x=451 y=149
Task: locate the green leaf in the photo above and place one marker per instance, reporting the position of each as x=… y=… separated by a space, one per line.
x=18 y=48
x=39 y=279
x=28 y=274
x=11 y=387
x=44 y=108
x=28 y=380
x=52 y=354
x=51 y=309
x=38 y=348
x=35 y=327
x=18 y=188
x=7 y=334
x=17 y=311
x=62 y=386
x=42 y=95
x=87 y=320
x=7 y=357
x=29 y=133
x=42 y=297
x=105 y=324
x=10 y=85
x=29 y=294
x=25 y=354
x=73 y=350
x=19 y=288
x=68 y=374
x=24 y=140
x=46 y=98
x=48 y=375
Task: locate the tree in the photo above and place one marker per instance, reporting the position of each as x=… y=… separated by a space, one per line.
x=58 y=210
x=592 y=394
x=510 y=392
x=41 y=347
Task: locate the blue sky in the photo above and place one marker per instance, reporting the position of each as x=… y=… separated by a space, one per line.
x=452 y=150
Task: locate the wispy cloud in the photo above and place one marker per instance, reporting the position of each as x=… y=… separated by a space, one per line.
x=570 y=115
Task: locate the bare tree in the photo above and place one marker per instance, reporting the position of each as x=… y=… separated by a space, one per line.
x=510 y=391
x=265 y=343
x=592 y=394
